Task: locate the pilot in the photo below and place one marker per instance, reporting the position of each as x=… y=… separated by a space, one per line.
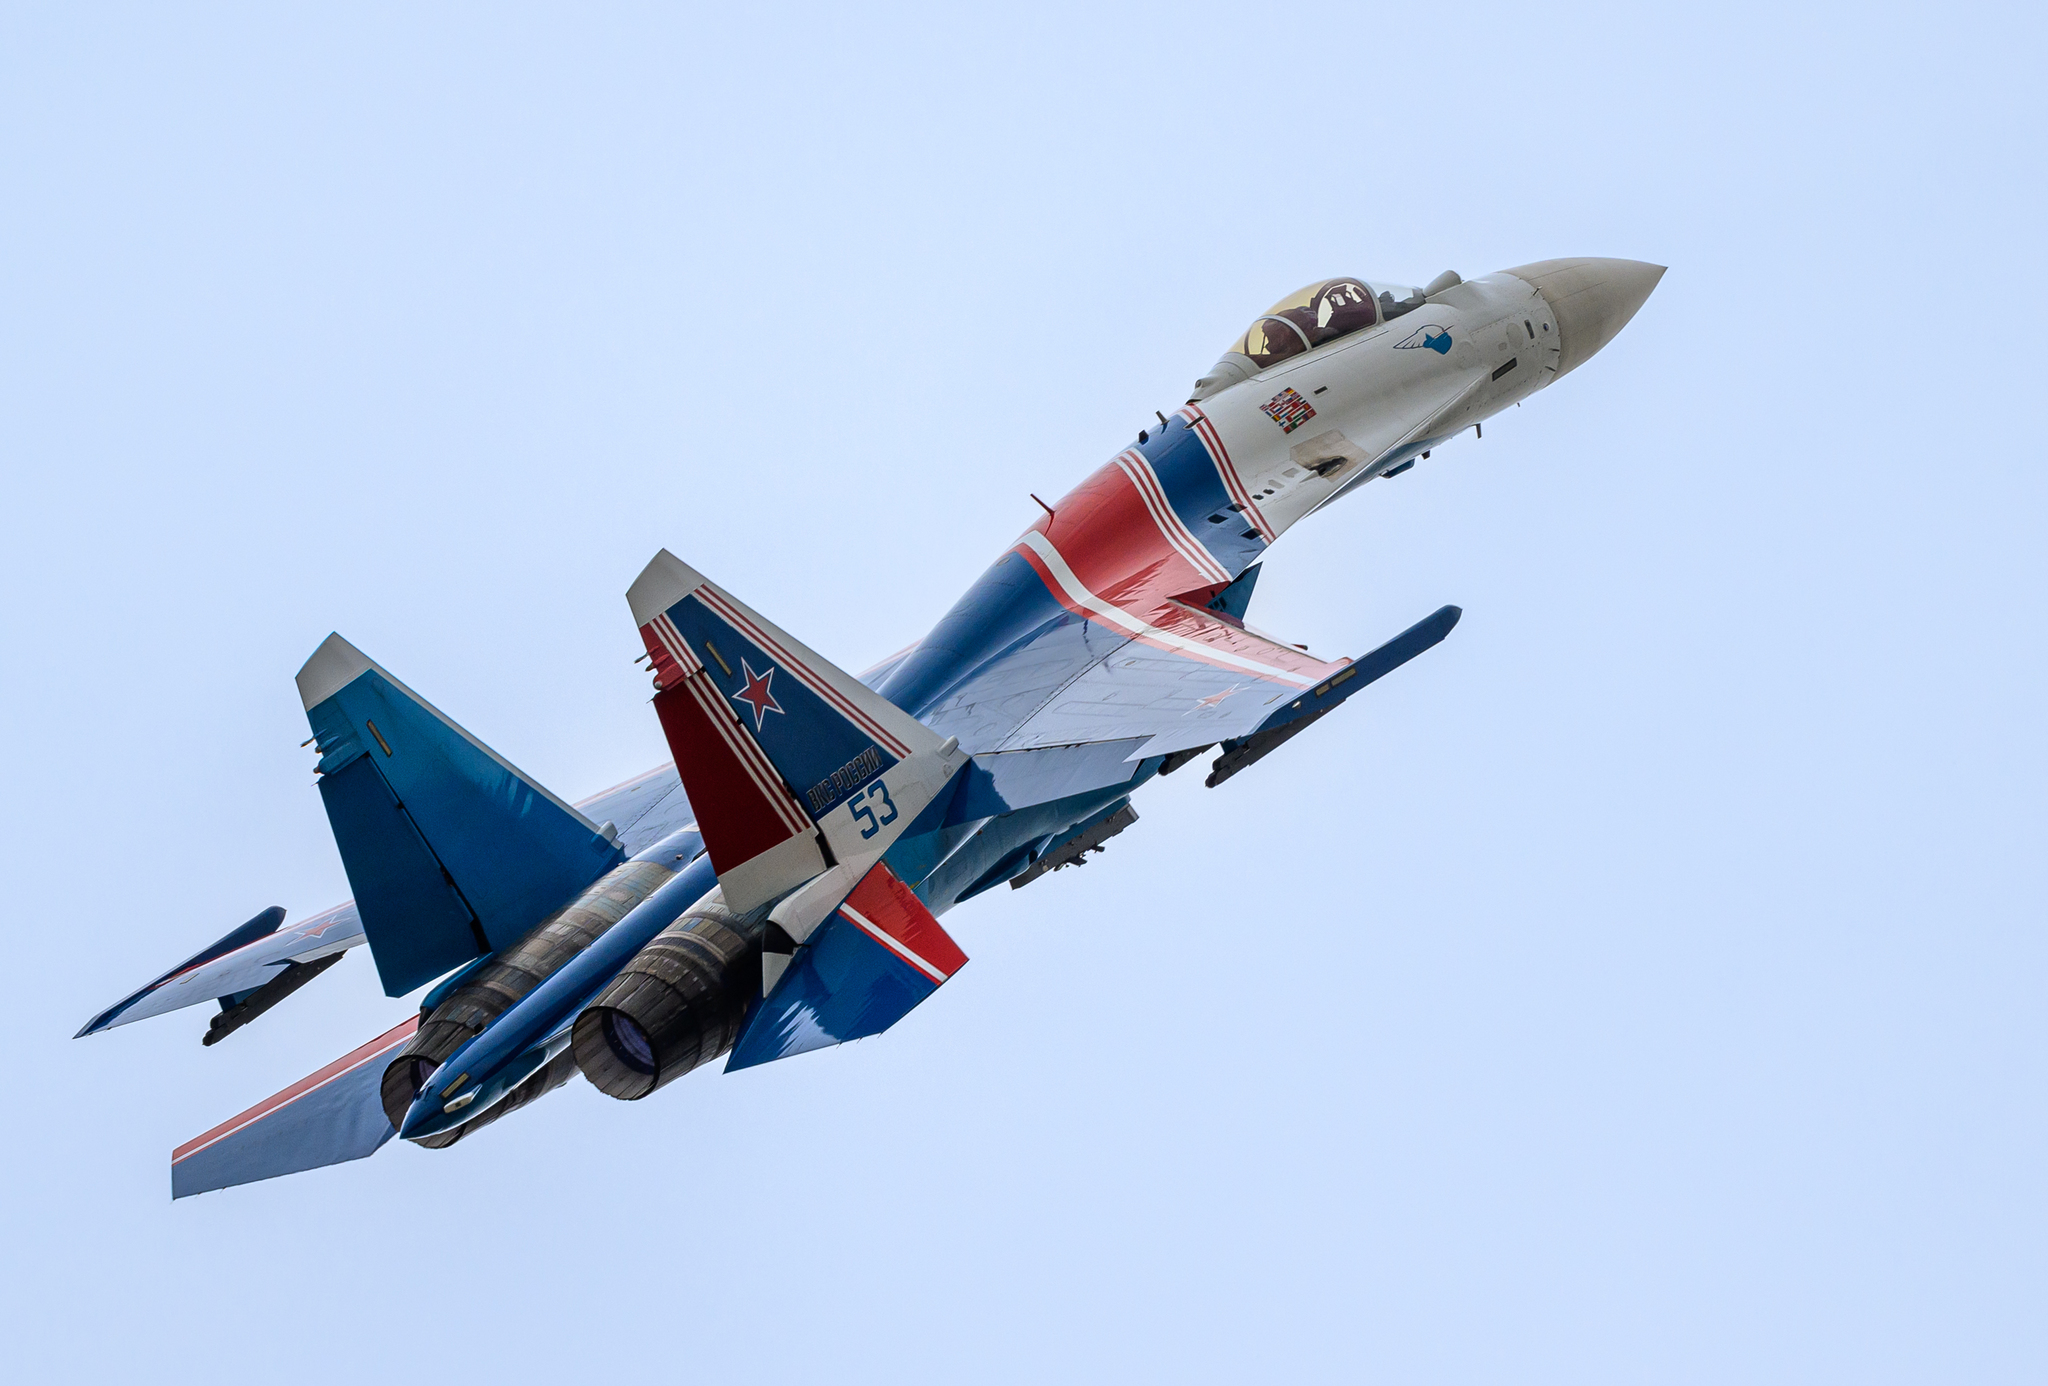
x=1341 y=306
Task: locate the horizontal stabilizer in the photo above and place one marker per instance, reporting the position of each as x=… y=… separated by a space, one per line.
x=795 y=766
x=452 y=851
x=323 y=1119
x=863 y=969
x=244 y=961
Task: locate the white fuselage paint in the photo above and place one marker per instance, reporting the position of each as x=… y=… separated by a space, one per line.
x=1378 y=405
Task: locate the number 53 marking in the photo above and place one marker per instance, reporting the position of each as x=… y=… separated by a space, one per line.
x=876 y=793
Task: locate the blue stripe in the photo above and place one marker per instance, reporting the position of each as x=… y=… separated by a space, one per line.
x=1195 y=490
x=1006 y=609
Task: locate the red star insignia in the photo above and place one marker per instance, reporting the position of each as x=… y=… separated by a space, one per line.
x=756 y=695
x=1214 y=698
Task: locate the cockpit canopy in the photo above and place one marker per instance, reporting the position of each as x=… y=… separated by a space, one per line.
x=1322 y=312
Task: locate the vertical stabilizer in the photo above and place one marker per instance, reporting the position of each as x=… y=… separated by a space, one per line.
x=452 y=851
x=795 y=766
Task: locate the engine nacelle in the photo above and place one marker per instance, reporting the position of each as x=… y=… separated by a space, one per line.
x=493 y=988
x=676 y=1005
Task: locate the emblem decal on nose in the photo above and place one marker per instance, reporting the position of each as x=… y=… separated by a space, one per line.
x=1289 y=410
x=1437 y=339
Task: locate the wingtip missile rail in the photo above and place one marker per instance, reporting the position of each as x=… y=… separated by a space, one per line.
x=1320 y=701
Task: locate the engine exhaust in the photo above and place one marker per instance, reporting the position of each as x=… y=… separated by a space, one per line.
x=499 y=984
x=676 y=1005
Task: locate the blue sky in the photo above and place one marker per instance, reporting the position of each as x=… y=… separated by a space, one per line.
x=1646 y=985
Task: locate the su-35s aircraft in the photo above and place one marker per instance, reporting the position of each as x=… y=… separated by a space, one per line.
x=778 y=888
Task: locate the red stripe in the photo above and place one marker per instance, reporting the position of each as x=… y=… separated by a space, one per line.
x=347 y=1063
x=1107 y=534
x=717 y=603
x=893 y=908
x=1175 y=618
x=1169 y=521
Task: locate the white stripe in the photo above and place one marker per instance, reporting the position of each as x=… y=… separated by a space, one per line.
x=717 y=602
x=1156 y=504
x=671 y=640
x=1216 y=569
x=1159 y=521
x=889 y=940
x=1225 y=468
x=739 y=743
x=676 y=645
x=1205 y=559
x=1118 y=616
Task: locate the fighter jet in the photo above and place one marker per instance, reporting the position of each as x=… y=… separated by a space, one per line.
x=778 y=888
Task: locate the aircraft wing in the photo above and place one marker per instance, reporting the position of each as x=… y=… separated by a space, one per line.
x=1183 y=677
x=239 y=963
x=325 y=1118
x=1138 y=665
x=1154 y=674
x=1118 y=616
x=1156 y=705
x=645 y=809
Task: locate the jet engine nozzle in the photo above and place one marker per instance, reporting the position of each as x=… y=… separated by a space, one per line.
x=1592 y=299
x=452 y=1015
x=676 y=1005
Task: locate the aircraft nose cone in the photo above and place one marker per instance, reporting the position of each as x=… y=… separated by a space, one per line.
x=1592 y=300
